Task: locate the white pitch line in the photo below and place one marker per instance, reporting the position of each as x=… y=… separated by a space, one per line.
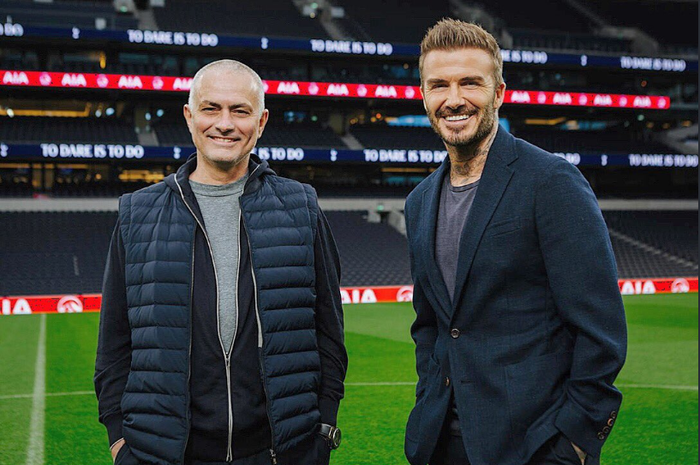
x=35 y=450
x=48 y=394
x=387 y=383
x=659 y=386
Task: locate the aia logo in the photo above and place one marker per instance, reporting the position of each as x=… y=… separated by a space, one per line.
x=680 y=286
x=17 y=79
x=288 y=88
x=73 y=80
x=638 y=287
x=338 y=89
x=405 y=294
x=69 y=304
x=520 y=97
x=358 y=296
x=641 y=102
x=182 y=84
x=602 y=100
x=562 y=99
x=20 y=307
x=130 y=82
x=386 y=92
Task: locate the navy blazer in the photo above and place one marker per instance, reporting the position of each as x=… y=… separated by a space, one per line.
x=536 y=334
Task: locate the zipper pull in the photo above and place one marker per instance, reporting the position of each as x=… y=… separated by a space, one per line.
x=273 y=456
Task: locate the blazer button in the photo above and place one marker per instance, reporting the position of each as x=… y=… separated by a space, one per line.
x=611 y=422
x=606 y=430
x=613 y=414
x=601 y=436
x=447 y=381
x=454 y=333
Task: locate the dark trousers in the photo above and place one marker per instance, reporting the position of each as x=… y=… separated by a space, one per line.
x=312 y=451
x=262 y=458
x=556 y=451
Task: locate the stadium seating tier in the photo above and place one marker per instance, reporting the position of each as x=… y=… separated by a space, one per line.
x=274 y=18
x=65 y=252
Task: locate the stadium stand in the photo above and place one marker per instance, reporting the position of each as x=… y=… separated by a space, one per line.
x=46 y=253
x=50 y=252
x=553 y=25
x=363 y=73
x=276 y=18
x=279 y=134
x=531 y=39
x=300 y=135
x=607 y=141
x=538 y=15
x=370 y=253
x=65 y=252
x=59 y=14
x=172 y=133
x=353 y=29
x=66 y=130
x=674 y=24
x=19 y=59
x=674 y=232
x=389 y=137
x=103 y=189
x=396 y=20
x=635 y=262
x=349 y=189
x=15 y=189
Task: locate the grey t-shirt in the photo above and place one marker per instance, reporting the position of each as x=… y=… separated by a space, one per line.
x=455 y=203
x=221 y=212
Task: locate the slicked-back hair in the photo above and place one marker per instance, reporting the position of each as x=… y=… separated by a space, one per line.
x=452 y=34
x=234 y=67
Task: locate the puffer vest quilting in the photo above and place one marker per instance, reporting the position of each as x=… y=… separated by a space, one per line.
x=280 y=217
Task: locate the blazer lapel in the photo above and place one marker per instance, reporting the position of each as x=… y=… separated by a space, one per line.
x=492 y=185
x=431 y=204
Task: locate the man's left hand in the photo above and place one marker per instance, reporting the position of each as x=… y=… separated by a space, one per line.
x=581 y=454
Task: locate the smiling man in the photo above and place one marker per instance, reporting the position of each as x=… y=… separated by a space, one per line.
x=221 y=330
x=520 y=330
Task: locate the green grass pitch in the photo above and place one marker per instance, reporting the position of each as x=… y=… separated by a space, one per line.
x=658 y=422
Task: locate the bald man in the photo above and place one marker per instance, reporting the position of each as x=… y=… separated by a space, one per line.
x=221 y=330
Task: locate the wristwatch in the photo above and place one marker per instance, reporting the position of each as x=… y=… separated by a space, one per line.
x=331 y=434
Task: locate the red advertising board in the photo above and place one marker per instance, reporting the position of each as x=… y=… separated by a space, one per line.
x=87 y=303
x=27 y=305
x=320 y=89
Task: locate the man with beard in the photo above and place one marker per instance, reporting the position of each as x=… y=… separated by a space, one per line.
x=520 y=330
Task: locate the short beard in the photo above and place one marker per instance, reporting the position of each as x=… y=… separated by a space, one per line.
x=488 y=119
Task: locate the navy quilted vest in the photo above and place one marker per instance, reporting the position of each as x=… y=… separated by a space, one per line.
x=280 y=217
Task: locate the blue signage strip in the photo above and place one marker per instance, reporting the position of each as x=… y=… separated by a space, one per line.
x=342 y=47
x=71 y=153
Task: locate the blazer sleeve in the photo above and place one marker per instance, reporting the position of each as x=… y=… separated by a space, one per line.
x=424 y=328
x=582 y=275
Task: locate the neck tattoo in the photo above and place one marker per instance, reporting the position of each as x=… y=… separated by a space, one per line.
x=469 y=169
